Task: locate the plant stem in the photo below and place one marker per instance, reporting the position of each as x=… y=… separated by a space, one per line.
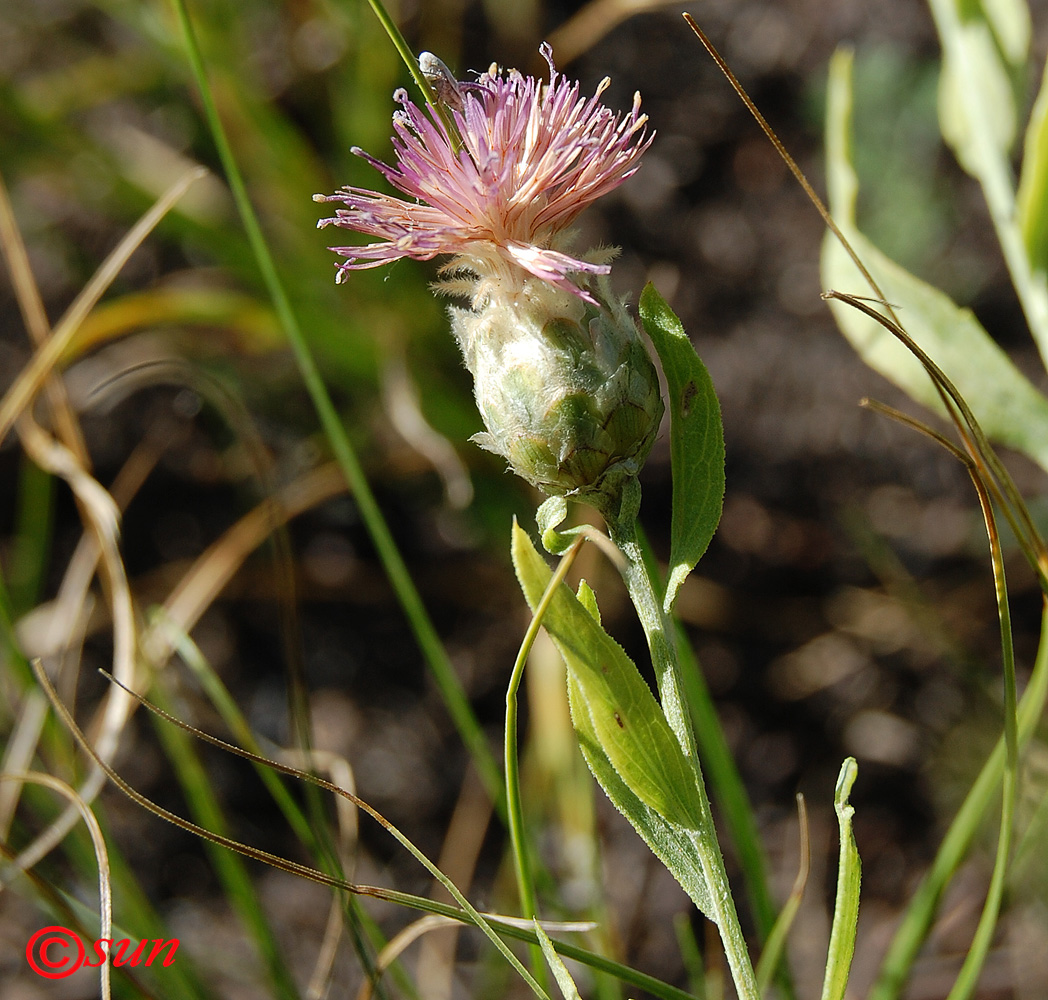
x=514 y=803
x=659 y=631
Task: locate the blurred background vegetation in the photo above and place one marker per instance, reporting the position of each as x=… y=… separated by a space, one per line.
x=845 y=607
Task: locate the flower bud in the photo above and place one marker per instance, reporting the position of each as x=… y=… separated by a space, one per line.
x=566 y=389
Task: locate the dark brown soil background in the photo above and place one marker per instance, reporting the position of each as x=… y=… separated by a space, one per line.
x=844 y=608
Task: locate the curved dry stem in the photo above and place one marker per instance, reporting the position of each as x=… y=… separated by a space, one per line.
x=283 y=864
x=215 y=567
x=589 y=25
x=983 y=458
x=25 y=387
x=57 y=627
x=917 y=425
x=105 y=894
x=400 y=942
x=34 y=315
x=320 y=978
x=18 y=754
x=340 y=773
x=974 y=438
x=400 y=397
x=104 y=518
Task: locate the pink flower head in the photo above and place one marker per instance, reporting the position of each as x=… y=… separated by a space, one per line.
x=528 y=157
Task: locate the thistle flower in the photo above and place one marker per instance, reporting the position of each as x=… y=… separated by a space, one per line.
x=526 y=159
x=562 y=380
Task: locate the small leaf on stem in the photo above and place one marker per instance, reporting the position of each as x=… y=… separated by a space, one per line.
x=696 y=441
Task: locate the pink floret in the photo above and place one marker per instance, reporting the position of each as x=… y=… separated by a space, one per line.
x=527 y=158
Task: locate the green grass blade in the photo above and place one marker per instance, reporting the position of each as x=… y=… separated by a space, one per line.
x=514 y=803
x=224 y=703
x=276 y=861
x=15 y=658
x=773 y=951
x=523 y=932
x=846 y=908
x=230 y=869
x=361 y=926
x=32 y=536
x=968 y=978
x=775 y=947
x=560 y=971
x=425 y=633
x=691 y=954
x=404 y=51
x=920 y=913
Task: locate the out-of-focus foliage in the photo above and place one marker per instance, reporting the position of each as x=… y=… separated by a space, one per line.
x=98 y=116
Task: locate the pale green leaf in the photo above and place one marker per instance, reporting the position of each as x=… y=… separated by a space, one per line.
x=593 y=694
x=1006 y=404
x=1010 y=20
x=623 y=715
x=674 y=846
x=556 y=964
x=550 y=515
x=849 y=875
x=975 y=54
x=1032 y=200
x=979 y=116
x=588 y=600
x=696 y=441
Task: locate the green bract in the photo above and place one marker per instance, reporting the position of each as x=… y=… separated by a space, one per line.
x=566 y=389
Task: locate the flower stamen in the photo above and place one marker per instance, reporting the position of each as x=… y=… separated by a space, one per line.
x=528 y=157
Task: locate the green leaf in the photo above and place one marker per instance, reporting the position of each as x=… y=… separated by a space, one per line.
x=975 y=53
x=640 y=765
x=673 y=845
x=623 y=714
x=979 y=113
x=696 y=441
x=588 y=600
x=1006 y=404
x=556 y=964
x=550 y=515
x=1032 y=199
x=1010 y=20
x=846 y=908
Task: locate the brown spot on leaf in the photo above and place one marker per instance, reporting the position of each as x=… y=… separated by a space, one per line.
x=618 y=719
x=687 y=397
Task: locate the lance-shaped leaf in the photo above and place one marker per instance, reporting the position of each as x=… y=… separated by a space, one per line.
x=673 y=845
x=625 y=717
x=624 y=736
x=1006 y=404
x=696 y=441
